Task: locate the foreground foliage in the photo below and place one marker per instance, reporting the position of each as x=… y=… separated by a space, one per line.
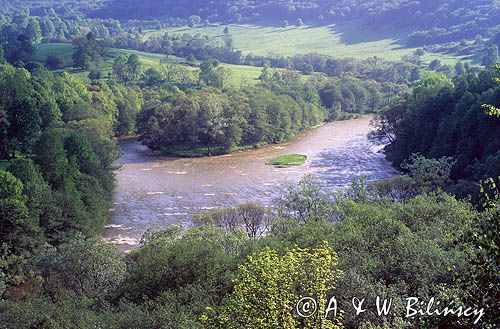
x=268 y=287
x=392 y=249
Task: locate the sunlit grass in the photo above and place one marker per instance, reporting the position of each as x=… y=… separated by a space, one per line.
x=342 y=40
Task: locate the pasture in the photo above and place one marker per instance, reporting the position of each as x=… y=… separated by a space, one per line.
x=343 y=40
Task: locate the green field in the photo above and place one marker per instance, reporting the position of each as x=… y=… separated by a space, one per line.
x=239 y=73
x=346 y=40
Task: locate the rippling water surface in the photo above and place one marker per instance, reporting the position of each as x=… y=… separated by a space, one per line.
x=156 y=191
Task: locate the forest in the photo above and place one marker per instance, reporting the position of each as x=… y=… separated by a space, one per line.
x=431 y=230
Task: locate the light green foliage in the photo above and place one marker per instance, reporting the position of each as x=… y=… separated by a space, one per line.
x=491 y=110
x=269 y=285
x=388 y=249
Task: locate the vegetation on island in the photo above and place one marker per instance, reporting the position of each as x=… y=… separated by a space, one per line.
x=288 y=160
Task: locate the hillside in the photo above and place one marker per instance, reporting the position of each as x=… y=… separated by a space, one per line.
x=345 y=40
x=456 y=26
x=429 y=21
x=239 y=73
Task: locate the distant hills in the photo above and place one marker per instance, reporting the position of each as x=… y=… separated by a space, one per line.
x=432 y=21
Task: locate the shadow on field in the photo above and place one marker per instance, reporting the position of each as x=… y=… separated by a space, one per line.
x=354 y=33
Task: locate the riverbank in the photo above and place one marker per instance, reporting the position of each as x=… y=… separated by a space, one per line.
x=188 y=151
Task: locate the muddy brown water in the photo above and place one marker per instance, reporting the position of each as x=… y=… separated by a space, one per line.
x=157 y=191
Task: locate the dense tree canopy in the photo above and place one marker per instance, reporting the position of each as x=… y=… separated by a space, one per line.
x=442 y=118
x=221 y=121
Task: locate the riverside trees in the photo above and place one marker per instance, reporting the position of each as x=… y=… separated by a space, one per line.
x=443 y=118
x=57 y=148
x=221 y=120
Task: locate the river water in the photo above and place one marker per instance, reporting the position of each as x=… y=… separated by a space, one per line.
x=157 y=191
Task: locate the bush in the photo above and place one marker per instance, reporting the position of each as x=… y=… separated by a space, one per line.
x=81 y=268
x=54 y=62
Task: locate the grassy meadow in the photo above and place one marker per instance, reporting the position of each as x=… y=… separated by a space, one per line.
x=239 y=73
x=345 y=40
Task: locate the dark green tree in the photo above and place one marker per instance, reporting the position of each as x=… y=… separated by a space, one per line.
x=51 y=157
x=17 y=228
x=20 y=50
x=87 y=49
x=33 y=30
x=134 y=67
x=23 y=121
x=213 y=74
x=53 y=62
x=491 y=56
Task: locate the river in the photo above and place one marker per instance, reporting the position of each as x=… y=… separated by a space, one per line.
x=157 y=191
